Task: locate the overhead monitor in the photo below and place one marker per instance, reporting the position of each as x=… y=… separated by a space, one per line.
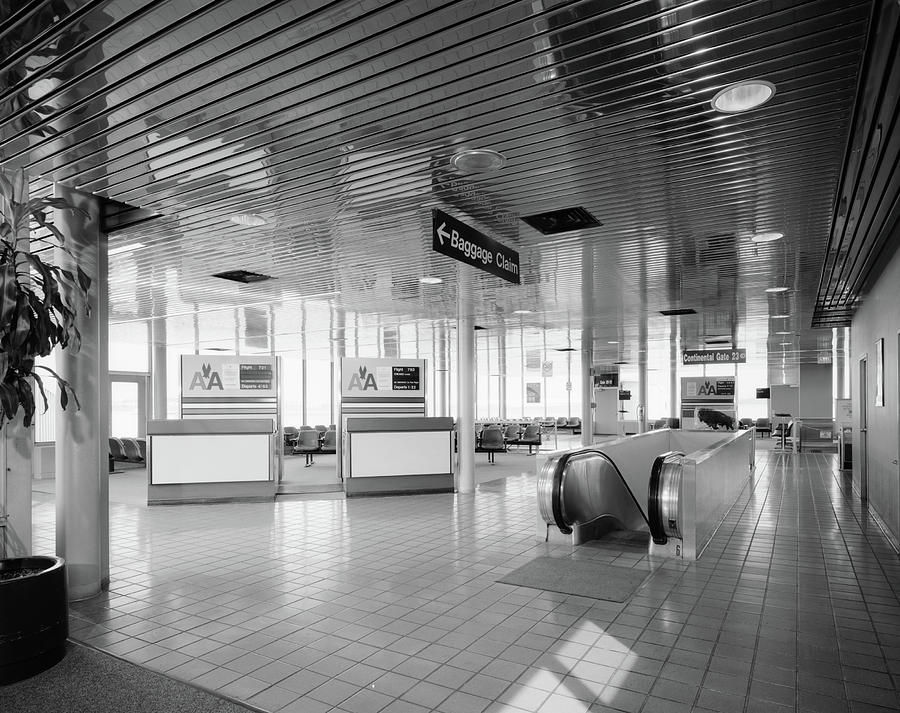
x=763 y=393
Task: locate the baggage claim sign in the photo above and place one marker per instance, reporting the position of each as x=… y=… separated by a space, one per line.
x=462 y=242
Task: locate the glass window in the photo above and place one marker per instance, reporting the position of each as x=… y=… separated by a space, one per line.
x=129 y=347
x=124 y=409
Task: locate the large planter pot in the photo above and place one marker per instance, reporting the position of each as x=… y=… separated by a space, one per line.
x=34 y=616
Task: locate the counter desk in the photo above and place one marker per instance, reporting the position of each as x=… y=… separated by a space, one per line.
x=401 y=455
x=210 y=460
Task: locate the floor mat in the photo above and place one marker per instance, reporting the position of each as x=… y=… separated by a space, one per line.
x=579 y=577
x=90 y=680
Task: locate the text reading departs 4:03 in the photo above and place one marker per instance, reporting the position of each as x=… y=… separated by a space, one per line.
x=462 y=242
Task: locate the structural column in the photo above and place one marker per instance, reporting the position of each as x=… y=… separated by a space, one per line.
x=501 y=367
x=82 y=470
x=587 y=386
x=465 y=379
x=441 y=373
x=158 y=369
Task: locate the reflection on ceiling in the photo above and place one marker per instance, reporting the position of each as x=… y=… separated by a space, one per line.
x=334 y=125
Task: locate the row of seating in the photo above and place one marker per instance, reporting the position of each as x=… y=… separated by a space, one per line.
x=309 y=441
x=493 y=439
x=560 y=423
x=128 y=450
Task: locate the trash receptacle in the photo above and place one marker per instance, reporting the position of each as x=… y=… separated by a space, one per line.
x=845 y=448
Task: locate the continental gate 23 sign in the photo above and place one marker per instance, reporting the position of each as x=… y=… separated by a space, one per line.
x=714 y=356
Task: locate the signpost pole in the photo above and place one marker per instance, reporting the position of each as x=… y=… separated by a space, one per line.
x=465 y=378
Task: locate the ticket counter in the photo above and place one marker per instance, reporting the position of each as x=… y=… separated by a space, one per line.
x=400 y=455
x=210 y=460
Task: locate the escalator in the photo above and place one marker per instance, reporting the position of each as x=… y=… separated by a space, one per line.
x=584 y=492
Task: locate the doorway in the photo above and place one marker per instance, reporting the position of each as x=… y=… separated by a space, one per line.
x=863 y=430
x=128 y=405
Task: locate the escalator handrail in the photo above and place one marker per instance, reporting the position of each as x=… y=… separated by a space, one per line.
x=654 y=518
x=556 y=487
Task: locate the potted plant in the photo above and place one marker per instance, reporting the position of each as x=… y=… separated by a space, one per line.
x=39 y=305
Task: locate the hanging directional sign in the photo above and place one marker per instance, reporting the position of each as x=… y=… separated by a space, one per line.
x=462 y=242
x=714 y=356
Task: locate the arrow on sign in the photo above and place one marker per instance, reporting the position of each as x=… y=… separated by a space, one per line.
x=441 y=233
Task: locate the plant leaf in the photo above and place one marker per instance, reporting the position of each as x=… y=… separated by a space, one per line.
x=8 y=295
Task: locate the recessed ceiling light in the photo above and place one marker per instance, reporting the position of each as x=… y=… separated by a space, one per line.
x=743 y=96
x=430 y=280
x=612 y=342
x=522 y=311
x=777 y=289
x=125 y=248
x=478 y=160
x=780 y=316
x=251 y=219
x=786 y=344
x=782 y=332
x=767 y=237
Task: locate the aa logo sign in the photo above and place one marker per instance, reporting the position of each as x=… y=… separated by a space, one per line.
x=362 y=381
x=706 y=389
x=206 y=379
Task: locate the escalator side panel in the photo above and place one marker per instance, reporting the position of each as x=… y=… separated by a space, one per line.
x=592 y=488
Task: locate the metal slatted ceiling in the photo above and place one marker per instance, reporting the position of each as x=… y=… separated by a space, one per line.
x=336 y=122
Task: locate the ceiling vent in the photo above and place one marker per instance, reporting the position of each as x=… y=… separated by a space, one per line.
x=562 y=221
x=478 y=328
x=565 y=349
x=676 y=312
x=244 y=276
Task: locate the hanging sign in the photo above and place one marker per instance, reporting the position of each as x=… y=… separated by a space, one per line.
x=714 y=356
x=462 y=242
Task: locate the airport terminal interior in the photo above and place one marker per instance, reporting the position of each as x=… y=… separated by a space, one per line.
x=457 y=356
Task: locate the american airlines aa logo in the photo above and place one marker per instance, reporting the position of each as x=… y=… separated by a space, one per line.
x=362 y=381
x=206 y=379
x=707 y=390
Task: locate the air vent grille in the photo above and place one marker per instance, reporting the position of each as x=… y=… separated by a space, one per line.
x=562 y=221
x=565 y=349
x=244 y=276
x=676 y=312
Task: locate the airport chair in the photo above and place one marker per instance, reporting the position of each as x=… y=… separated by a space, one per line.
x=142 y=446
x=491 y=442
x=745 y=423
x=511 y=433
x=530 y=437
x=308 y=444
x=291 y=435
x=329 y=442
x=320 y=429
x=117 y=449
x=132 y=450
x=763 y=427
x=574 y=423
x=561 y=422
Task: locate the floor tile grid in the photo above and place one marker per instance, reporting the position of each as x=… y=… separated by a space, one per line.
x=560 y=660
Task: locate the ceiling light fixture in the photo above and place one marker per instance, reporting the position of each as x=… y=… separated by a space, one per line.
x=780 y=333
x=777 y=289
x=612 y=342
x=254 y=220
x=523 y=311
x=767 y=237
x=743 y=96
x=787 y=344
x=477 y=160
x=430 y=280
x=780 y=316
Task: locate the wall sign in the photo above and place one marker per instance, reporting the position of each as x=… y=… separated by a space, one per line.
x=714 y=356
x=701 y=389
x=462 y=242
x=533 y=393
x=606 y=380
x=382 y=378
x=214 y=375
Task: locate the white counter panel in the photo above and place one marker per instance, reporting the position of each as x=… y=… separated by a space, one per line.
x=399 y=453
x=209 y=458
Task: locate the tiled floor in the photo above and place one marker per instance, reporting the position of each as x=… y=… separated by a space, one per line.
x=392 y=604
